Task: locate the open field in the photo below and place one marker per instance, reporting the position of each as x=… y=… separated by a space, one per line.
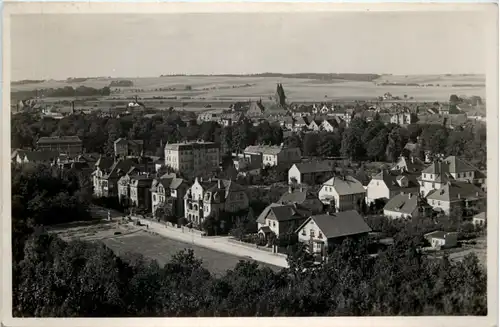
x=297 y=89
x=161 y=249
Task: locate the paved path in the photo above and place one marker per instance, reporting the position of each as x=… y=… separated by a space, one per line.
x=220 y=244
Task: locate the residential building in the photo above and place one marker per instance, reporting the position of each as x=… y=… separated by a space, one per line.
x=343 y=192
x=204 y=198
x=403 y=118
x=196 y=158
x=323 y=232
x=140 y=191
x=479 y=219
x=303 y=197
x=168 y=192
x=460 y=170
x=314 y=172
x=330 y=124
x=453 y=196
x=280 y=219
x=407 y=206
x=344 y=114
x=434 y=177
x=108 y=171
x=224 y=196
x=315 y=124
x=301 y=122
x=71 y=145
x=409 y=164
x=274 y=155
x=124 y=147
x=229 y=119
x=388 y=183
x=441 y=240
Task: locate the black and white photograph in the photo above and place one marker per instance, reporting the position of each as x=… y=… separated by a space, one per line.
x=250 y=162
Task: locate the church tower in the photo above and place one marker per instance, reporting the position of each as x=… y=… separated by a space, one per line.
x=280 y=96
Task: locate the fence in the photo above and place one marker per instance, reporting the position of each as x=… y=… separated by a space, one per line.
x=249 y=245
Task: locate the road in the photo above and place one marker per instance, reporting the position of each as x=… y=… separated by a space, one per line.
x=220 y=244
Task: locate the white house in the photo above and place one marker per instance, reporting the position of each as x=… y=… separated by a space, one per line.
x=346 y=192
x=457 y=195
x=310 y=172
x=479 y=219
x=387 y=184
x=279 y=219
x=440 y=239
x=323 y=232
x=275 y=155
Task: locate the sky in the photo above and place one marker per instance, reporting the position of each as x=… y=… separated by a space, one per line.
x=59 y=46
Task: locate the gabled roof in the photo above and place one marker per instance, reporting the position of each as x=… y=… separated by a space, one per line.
x=455 y=191
x=345 y=185
x=456 y=165
x=314 y=167
x=438 y=234
x=283 y=212
x=390 y=178
x=225 y=185
x=264 y=149
x=481 y=215
x=124 y=166
x=340 y=224
x=104 y=163
x=298 y=196
x=411 y=165
x=404 y=203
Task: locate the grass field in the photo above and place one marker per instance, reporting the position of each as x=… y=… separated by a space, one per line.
x=154 y=247
x=297 y=89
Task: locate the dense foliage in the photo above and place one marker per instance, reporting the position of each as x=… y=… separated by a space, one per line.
x=66 y=91
x=86 y=279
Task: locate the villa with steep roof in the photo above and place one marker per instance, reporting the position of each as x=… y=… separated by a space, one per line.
x=213 y=196
x=388 y=183
x=280 y=218
x=344 y=192
x=168 y=192
x=323 y=232
x=453 y=195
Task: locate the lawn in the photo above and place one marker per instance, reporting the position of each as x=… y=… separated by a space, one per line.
x=161 y=249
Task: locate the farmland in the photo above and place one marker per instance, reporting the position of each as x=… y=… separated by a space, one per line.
x=234 y=88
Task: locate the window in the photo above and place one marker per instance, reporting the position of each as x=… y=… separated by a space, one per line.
x=154 y=197
x=274 y=224
x=311 y=232
x=439 y=203
x=304 y=232
x=425 y=175
x=320 y=235
x=377 y=183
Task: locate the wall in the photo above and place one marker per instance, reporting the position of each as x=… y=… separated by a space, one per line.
x=376 y=190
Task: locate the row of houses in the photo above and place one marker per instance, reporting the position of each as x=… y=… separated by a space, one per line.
x=444 y=185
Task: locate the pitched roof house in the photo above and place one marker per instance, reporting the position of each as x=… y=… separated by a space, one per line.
x=344 y=192
x=457 y=195
x=303 y=197
x=389 y=183
x=323 y=232
x=313 y=172
x=406 y=206
x=281 y=218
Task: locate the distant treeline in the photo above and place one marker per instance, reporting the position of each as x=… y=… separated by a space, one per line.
x=66 y=91
x=121 y=83
x=423 y=84
x=318 y=76
x=76 y=79
x=27 y=81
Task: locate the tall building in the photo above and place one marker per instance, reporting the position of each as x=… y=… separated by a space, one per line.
x=70 y=145
x=192 y=157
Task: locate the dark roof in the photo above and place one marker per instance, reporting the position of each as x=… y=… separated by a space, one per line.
x=306 y=199
x=411 y=165
x=59 y=139
x=345 y=185
x=104 y=163
x=456 y=165
x=437 y=234
x=391 y=178
x=34 y=156
x=340 y=224
x=283 y=212
x=454 y=191
x=314 y=167
x=404 y=203
x=225 y=185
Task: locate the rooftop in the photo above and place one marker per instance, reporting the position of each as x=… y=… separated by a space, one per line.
x=340 y=224
x=59 y=139
x=345 y=185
